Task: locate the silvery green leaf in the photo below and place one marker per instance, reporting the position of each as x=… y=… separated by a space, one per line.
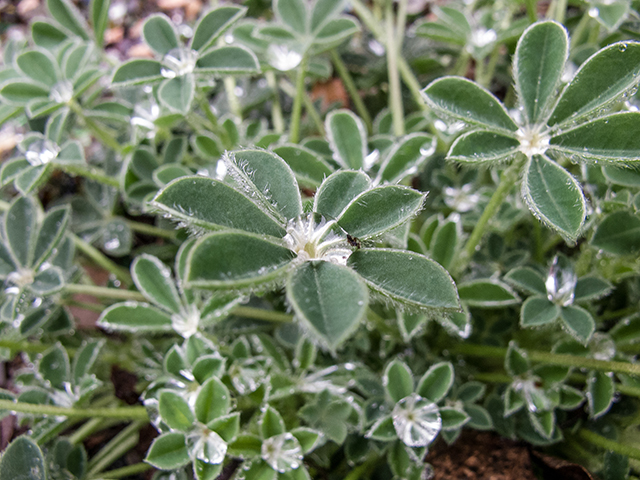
x=54 y=366
x=323 y=11
x=538 y=311
x=160 y=34
x=604 y=77
x=516 y=361
x=397 y=380
x=175 y=411
x=21 y=93
x=267 y=179
x=308 y=438
x=69 y=17
x=482 y=147
x=618 y=233
x=620 y=175
x=85 y=358
x=578 y=322
x=407 y=157
x=227 y=426
x=452 y=418
x=213 y=401
x=23 y=460
x=235 y=260
x=177 y=93
x=538 y=65
x=330 y=300
x=213 y=24
x=309 y=168
x=292 y=13
x=135 y=317
x=543 y=422
x=228 y=60
x=600 y=393
x=168 y=451
x=382 y=430
x=467 y=101
x=47 y=281
x=471 y=391
x=348 y=138
x=334 y=32
x=338 y=190
x=40 y=66
x=46 y=35
x=487 y=293
x=50 y=234
x=20 y=230
x=526 y=279
x=380 y=209
x=436 y=382
x=410 y=324
x=590 y=288
x=554 y=196
x=271 y=423
x=31 y=178
x=445 y=242
x=136 y=72
x=407 y=278
x=153 y=280
x=211 y=204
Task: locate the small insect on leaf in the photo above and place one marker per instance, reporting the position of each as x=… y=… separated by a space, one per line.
x=354 y=241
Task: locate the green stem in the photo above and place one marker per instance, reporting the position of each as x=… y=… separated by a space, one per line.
x=350 y=85
x=117 y=446
x=276 y=109
x=206 y=108
x=296 y=112
x=94 y=174
x=532 y=11
x=97 y=256
x=561 y=8
x=507 y=181
x=25 y=346
x=100 y=131
x=491 y=66
x=395 y=93
x=462 y=64
x=124 y=413
x=93 y=307
x=127 y=471
x=479 y=72
x=105 y=292
x=232 y=98
x=290 y=90
x=261 y=314
x=550 y=358
x=578 y=32
x=87 y=429
x=606 y=444
x=363 y=469
x=151 y=230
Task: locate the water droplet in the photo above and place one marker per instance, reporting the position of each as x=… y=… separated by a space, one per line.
x=206 y=445
x=283 y=57
x=561 y=282
x=416 y=420
x=377 y=48
x=41 y=152
x=282 y=452
x=179 y=62
x=61 y=92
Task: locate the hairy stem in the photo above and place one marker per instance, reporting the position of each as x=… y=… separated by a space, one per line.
x=261 y=314
x=151 y=230
x=91 y=173
x=117 y=446
x=276 y=109
x=232 y=98
x=128 y=471
x=105 y=292
x=606 y=444
x=124 y=413
x=395 y=93
x=296 y=112
x=290 y=90
x=507 y=181
x=100 y=131
x=350 y=85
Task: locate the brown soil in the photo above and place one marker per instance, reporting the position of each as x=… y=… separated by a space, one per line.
x=481 y=456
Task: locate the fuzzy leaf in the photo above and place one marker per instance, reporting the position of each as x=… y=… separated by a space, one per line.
x=153 y=280
x=348 y=138
x=600 y=393
x=212 y=25
x=554 y=196
x=135 y=317
x=329 y=299
x=23 y=460
x=578 y=322
x=408 y=278
x=309 y=168
x=397 y=380
x=168 y=451
x=436 y=382
x=618 y=233
x=292 y=13
x=516 y=361
x=135 y=72
x=50 y=234
x=487 y=294
x=213 y=401
x=159 y=33
x=228 y=60
x=527 y=280
x=481 y=146
x=177 y=93
x=538 y=311
x=338 y=190
x=406 y=157
x=54 y=366
x=235 y=260
x=588 y=288
x=467 y=101
x=271 y=423
x=69 y=17
x=452 y=418
x=175 y=411
x=20 y=230
x=38 y=66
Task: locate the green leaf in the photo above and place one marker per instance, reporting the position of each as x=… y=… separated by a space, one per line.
x=618 y=233
x=23 y=460
x=570 y=398
x=410 y=324
x=308 y=438
x=267 y=179
x=397 y=380
x=227 y=426
x=169 y=172
x=471 y=391
x=538 y=311
x=175 y=411
x=338 y=190
x=69 y=17
x=50 y=234
x=212 y=205
x=206 y=471
x=621 y=175
x=309 y=168
x=482 y=146
x=213 y=401
x=135 y=317
x=259 y=470
x=31 y=178
x=136 y=72
x=47 y=281
x=271 y=423
x=613 y=138
x=616 y=465
x=20 y=230
x=539 y=63
x=543 y=422
x=272 y=33
x=516 y=361
x=408 y=278
x=526 y=279
x=212 y=25
x=323 y=11
x=330 y=300
x=452 y=418
x=604 y=77
x=84 y=359
x=168 y=452
x=292 y=13
x=348 y=138
x=70 y=153
x=235 y=260
x=177 y=93
x=578 y=322
x=334 y=32
x=46 y=35
x=465 y=100
x=487 y=293
x=159 y=33
x=444 y=243
x=436 y=382
x=54 y=366
x=228 y=60
x=99 y=10
x=153 y=280
x=589 y=288
x=38 y=66
x=554 y=196
x=406 y=157
x=380 y=209
x=383 y=430
x=20 y=93
x=246 y=446
x=600 y=393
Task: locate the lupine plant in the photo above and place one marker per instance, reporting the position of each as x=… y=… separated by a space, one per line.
x=305 y=291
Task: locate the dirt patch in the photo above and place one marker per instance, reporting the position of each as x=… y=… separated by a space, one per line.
x=481 y=456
